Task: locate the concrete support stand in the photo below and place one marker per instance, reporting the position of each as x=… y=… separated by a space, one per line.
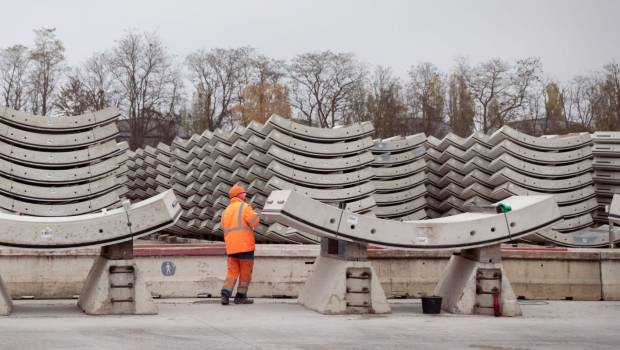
x=6 y=304
x=343 y=281
x=115 y=285
x=474 y=282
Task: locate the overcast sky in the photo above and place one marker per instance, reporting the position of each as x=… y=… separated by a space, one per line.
x=571 y=37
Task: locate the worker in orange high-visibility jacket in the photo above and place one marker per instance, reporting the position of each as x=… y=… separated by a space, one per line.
x=238 y=222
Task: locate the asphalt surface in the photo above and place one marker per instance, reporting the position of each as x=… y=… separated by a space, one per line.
x=281 y=324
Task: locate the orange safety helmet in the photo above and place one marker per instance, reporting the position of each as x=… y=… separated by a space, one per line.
x=235 y=191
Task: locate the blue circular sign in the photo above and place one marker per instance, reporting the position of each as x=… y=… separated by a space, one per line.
x=168 y=268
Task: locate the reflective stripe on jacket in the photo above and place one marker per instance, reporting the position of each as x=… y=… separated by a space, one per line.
x=238 y=222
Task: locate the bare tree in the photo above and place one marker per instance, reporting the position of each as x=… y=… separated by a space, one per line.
x=358 y=104
x=98 y=79
x=14 y=65
x=47 y=58
x=608 y=107
x=461 y=109
x=149 y=83
x=322 y=84
x=72 y=97
x=89 y=88
x=219 y=77
x=582 y=96
x=426 y=95
x=263 y=92
x=501 y=90
x=385 y=104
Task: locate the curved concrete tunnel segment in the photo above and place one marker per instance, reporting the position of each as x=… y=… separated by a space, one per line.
x=97 y=229
x=469 y=230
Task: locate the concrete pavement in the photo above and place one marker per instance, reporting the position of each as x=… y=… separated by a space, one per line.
x=282 y=324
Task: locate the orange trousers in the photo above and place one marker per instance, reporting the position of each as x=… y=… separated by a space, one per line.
x=240 y=269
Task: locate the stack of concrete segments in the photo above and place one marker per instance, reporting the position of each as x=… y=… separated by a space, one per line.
x=400 y=178
x=466 y=230
x=60 y=166
x=458 y=174
x=190 y=172
x=148 y=172
x=329 y=165
x=560 y=166
x=606 y=164
x=479 y=170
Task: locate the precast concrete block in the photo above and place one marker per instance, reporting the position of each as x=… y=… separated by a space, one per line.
x=396 y=197
x=537 y=170
x=38 y=123
x=71 y=158
x=88 y=205
x=449 y=140
x=320 y=164
x=462 y=291
x=528 y=215
x=115 y=225
x=349 y=132
x=323 y=194
x=610 y=275
x=57 y=141
x=562 y=198
x=400 y=170
x=540 y=143
x=606 y=163
x=328 y=180
x=574 y=223
x=394 y=159
x=555 y=275
x=308 y=148
x=398 y=144
x=402 y=209
x=537 y=184
x=30 y=174
x=400 y=184
x=115 y=287
x=326 y=291
x=540 y=157
x=6 y=304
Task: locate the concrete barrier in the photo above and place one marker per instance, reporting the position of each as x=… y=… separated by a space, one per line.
x=281 y=271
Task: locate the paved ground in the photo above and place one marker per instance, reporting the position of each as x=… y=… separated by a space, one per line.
x=276 y=324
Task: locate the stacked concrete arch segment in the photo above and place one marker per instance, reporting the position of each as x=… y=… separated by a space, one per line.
x=62 y=183
x=466 y=173
x=67 y=176
x=398 y=178
x=330 y=165
x=52 y=166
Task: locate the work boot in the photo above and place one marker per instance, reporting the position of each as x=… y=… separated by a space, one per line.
x=243 y=299
x=225 y=300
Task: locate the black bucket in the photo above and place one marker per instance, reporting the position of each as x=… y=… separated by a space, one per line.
x=431 y=305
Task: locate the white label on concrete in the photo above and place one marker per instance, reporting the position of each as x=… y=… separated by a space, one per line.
x=352 y=220
x=47 y=233
x=421 y=239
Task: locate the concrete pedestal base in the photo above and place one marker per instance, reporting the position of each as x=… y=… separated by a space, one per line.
x=6 y=304
x=116 y=286
x=466 y=286
x=343 y=285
